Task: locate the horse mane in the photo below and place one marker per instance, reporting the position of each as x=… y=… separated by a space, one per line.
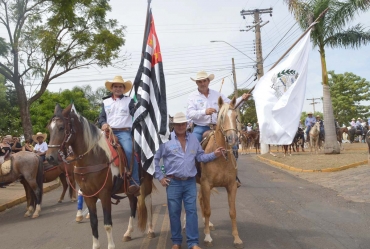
x=91 y=134
x=221 y=113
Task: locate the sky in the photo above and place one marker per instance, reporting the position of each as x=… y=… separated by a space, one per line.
x=185 y=30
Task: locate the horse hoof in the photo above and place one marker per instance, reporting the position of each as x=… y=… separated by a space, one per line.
x=35 y=216
x=212 y=228
x=88 y=216
x=126 y=238
x=60 y=201
x=26 y=215
x=73 y=200
x=208 y=244
x=79 y=219
x=238 y=246
x=150 y=235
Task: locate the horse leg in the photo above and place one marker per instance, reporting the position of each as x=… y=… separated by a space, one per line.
x=231 y=194
x=63 y=180
x=29 y=198
x=149 y=205
x=144 y=206
x=130 y=228
x=91 y=205
x=72 y=192
x=206 y=208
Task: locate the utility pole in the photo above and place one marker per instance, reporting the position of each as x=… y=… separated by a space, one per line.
x=313 y=103
x=257 y=25
x=239 y=125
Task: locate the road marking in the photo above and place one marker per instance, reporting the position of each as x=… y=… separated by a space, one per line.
x=164 y=231
x=146 y=240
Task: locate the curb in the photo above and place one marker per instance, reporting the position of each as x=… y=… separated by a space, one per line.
x=22 y=199
x=291 y=168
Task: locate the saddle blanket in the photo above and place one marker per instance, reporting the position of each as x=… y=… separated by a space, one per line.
x=5 y=168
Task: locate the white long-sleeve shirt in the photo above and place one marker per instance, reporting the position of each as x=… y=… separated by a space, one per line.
x=198 y=103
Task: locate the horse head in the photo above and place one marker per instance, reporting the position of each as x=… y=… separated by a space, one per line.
x=226 y=121
x=60 y=129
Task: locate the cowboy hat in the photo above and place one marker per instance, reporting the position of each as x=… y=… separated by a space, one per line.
x=39 y=134
x=179 y=118
x=353 y=119
x=309 y=113
x=203 y=75
x=248 y=123
x=358 y=118
x=318 y=116
x=118 y=80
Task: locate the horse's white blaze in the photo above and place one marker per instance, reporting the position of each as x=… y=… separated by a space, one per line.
x=229 y=112
x=52 y=125
x=96 y=244
x=108 y=229
x=148 y=204
x=208 y=238
x=130 y=227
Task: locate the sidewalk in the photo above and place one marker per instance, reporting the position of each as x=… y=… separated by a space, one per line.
x=15 y=194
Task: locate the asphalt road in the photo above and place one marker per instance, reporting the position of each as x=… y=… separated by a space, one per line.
x=275 y=209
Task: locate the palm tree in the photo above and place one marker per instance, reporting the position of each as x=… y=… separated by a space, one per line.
x=330 y=31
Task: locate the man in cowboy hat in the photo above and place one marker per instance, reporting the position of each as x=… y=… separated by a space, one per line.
x=353 y=122
x=117 y=111
x=359 y=125
x=309 y=122
x=179 y=155
x=41 y=147
x=203 y=104
x=249 y=127
x=322 y=131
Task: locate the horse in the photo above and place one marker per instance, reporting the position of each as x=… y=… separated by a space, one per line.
x=314 y=137
x=340 y=132
x=95 y=171
x=353 y=131
x=222 y=171
x=28 y=167
x=250 y=138
x=53 y=172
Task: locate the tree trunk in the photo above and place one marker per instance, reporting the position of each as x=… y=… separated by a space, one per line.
x=331 y=144
x=24 y=109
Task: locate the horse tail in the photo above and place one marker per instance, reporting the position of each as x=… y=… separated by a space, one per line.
x=146 y=189
x=40 y=181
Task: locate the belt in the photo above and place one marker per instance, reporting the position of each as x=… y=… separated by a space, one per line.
x=179 y=178
x=121 y=129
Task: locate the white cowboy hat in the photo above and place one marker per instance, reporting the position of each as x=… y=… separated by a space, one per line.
x=358 y=118
x=119 y=80
x=179 y=118
x=309 y=113
x=353 y=119
x=318 y=116
x=248 y=123
x=203 y=75
x=39 y=134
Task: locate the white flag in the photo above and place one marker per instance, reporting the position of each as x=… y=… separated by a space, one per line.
x=279 y=96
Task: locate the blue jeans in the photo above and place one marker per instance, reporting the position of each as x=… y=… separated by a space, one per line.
x=124 y=138
x=177 y=192
x=199 y=130
x=308 y=130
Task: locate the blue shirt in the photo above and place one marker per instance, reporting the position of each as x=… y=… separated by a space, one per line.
x=310 y=121
x=176 y=161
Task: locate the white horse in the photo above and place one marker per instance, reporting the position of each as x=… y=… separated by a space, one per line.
x=314 y=137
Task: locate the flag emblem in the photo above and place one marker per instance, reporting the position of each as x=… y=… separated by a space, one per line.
x=281 y=81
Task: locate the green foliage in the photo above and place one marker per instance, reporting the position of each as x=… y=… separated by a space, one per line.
x=347 y=92
x=43 y=109
x=247 y=109
x=10 y=122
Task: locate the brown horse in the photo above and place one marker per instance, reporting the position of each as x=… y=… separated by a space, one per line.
x=95 y=171
x=340 y=135
x=53 y=172
x=250 y=138
x=222 y=171
x=27 y=167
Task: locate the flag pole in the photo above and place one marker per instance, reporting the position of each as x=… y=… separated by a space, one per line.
x=144 y=40
x=291 y=47
x=222 y=84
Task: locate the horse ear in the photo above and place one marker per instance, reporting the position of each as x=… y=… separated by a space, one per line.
x=67 y=110
x=233 y=102
x=220 y=102
x=57 y=109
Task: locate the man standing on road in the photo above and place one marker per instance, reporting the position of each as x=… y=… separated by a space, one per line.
x=41 y=146
x=179 y=156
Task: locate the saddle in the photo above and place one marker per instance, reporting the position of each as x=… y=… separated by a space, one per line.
x=205 y=139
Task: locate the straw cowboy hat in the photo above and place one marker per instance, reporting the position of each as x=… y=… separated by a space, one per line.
x=353 y=119
x=119 y=80
x=359 y=118
x=179 y=118
x=309 y=113
x=248 y=123
x=203 y=75
x=39 y=134
x=318 y=116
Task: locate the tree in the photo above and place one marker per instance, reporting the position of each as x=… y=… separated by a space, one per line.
x=47 y=39
x=9 y=121
x=330 y=32
x=247 y=109
x=348 y=91
x=43 y=108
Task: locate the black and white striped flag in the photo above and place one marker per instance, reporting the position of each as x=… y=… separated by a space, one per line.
x=150 y=124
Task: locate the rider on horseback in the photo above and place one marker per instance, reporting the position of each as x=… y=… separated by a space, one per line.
x=359 y=126
x=309 y=122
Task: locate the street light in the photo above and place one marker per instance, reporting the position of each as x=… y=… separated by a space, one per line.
x=236 y=49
